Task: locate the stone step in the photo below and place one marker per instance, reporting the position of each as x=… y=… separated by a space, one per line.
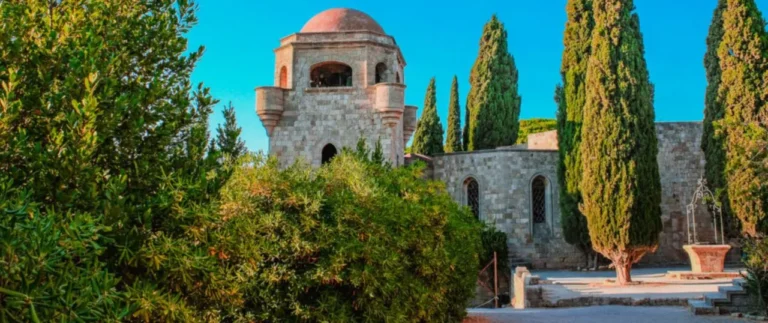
x=700 y=307
x=714 y=299
x=731 y=290
x=739 y=282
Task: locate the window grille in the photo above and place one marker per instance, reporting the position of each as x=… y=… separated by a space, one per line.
x=473 y=196
x=539 y=199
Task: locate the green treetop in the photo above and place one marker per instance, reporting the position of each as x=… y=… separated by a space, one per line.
x=453 y=137
x=428 y=138
x=493 y=103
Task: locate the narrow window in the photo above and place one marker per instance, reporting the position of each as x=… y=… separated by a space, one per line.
x=381 y=73
x=330 y=74
x=539 y=199
x=472 y=193
x=397 y=77
x=329 y=151
x=284 y=77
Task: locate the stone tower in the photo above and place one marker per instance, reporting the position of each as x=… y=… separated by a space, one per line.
x=341 y=77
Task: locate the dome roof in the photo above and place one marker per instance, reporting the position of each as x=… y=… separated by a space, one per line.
x=341 y=19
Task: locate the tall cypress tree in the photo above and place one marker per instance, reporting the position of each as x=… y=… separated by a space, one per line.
x=620 y=187
x=428 y=139
x=711 y=142
x=570 y=97
x=453 y=137
x=493 y=103
x=744 y=66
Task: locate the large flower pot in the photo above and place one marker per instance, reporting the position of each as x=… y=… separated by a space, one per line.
x=707 y=258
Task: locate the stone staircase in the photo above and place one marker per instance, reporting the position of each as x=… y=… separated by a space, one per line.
x=727 y=299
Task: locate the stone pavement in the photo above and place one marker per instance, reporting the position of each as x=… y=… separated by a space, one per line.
x=595 y=314
x=571 y=284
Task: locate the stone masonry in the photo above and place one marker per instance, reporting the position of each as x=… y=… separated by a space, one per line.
x=505 y=176
x=302 y=118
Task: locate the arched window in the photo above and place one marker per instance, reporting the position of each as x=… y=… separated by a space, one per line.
x=472 y=195
x=330 y=74
x=381 y=73
x=329 y=151
x=284 y=77
x=397 y=77
x=539 y=199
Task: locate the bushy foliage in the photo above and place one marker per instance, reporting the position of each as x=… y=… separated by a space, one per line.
x=620 y=186
x=104 y=165
x=453 y=135
x=493 y=102
x=428 y=137
x=355 y=240
x=532 y=126
x=571 y=98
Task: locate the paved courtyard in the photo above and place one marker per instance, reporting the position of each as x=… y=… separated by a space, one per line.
x=596 y=314
x=655 y=285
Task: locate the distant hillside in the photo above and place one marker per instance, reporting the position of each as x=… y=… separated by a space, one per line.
x=530 y=126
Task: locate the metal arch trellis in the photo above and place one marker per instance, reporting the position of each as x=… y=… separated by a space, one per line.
x=703 y=193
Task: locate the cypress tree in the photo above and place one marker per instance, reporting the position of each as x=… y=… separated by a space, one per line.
x=428 y=139
x=711 y=142
x=570 y=97
x=620 y=187
x=744 y=64
x=493 y=103
x=453 y=137
x=228 y=136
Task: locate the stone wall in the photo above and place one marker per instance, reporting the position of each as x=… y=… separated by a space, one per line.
x=505 y=177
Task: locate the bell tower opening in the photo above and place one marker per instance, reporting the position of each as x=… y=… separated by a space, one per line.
x=330 y=74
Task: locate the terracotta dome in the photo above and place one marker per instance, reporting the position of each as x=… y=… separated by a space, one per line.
x=341 y=19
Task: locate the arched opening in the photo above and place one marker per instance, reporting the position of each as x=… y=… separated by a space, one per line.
x=381 y=73
x=539 y=199
x=329 y=151
x=472 y=196
x=541 y=210
x=284 y=77
x=397 y=77
x=331 y=74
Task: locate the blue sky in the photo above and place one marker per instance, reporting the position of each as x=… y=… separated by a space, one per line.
x=440 y=39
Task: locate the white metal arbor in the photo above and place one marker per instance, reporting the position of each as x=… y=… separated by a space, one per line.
x=704 y=194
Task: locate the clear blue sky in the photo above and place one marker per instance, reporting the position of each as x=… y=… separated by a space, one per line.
x=441 y=39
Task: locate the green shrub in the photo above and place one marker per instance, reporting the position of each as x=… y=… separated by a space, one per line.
x=353 y=241
x=495 y=241
x=756 y=264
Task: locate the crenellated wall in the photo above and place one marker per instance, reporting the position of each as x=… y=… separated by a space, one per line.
x=505 y=177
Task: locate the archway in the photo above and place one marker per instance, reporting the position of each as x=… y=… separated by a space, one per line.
x=541 y=210
x=284 y=77
x=329 y=151
x=331 y=74
x=472 y=196
x=381 y=73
